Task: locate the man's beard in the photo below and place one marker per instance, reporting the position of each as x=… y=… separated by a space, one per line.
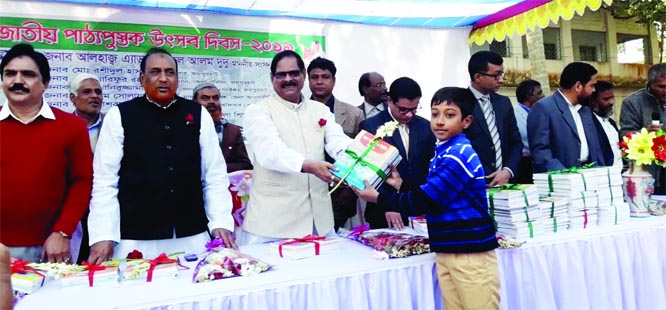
x=605 y=112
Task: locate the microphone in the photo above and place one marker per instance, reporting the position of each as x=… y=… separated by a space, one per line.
x=656 y=118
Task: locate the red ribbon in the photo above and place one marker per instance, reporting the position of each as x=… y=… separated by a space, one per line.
x=91 y=271
x=308 y=238
x=162 y=259
x=21 y=266
x=585 y=216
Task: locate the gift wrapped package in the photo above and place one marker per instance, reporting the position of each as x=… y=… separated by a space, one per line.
x=307 y=246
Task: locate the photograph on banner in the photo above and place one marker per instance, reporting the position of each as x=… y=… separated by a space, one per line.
x=237 y=61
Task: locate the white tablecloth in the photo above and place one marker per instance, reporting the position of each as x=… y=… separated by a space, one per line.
x=617 y=267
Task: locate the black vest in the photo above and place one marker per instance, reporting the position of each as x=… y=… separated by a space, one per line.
x=159 y=186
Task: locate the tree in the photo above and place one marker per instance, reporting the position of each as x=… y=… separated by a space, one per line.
x=649 y=12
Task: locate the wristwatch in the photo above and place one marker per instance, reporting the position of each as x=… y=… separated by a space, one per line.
x=64 y=235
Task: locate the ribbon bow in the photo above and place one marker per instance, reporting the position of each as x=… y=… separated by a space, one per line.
x=91 y=271
x=567 y=170
x=20 y=266
x=215 y=243
x=509 y=186
x=308 y=238
x=358 y=230
x=161 y=259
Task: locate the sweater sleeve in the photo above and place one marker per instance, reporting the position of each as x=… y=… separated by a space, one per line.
x=442 y=187
x=79 y=179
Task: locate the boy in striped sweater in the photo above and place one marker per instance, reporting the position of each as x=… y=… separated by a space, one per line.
x=454 y=200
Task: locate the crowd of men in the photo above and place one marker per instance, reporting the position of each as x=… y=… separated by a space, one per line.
x=151 y=173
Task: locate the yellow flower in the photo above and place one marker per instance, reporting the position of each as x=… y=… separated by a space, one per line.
x=640 y=147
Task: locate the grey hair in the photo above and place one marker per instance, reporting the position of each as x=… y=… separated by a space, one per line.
x=656 y=71
x=75 y=83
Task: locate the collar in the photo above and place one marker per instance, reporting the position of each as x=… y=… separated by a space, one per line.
x=45 y=112
x=571 y=106
x=446 y=143
x=524 y=107
x=477 y=94
x=291 y=105
x=96 y=123
x=369 y=107
x=158 y=105
x=329 y=103
x=656 y=100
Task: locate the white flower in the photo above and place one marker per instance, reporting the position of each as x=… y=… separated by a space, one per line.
x=386 y=130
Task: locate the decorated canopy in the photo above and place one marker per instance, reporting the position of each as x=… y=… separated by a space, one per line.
x=490 y=19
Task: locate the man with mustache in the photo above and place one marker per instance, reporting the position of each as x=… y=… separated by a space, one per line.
x=46 y=163
x=229 y=135
x=638 y=110
x=372 y=87
x=85 y=92
x=289 y=135
x=160 y=178
x=601 y=103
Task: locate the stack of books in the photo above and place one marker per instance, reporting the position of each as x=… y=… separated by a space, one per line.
x=516 y=211
x=579 y=188
x=136 y=271
x=106 y=277
x=556 y=210
x=612 y=208
x=381 y=157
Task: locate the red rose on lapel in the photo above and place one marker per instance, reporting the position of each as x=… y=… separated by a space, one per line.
x=322 y=122
x=135 y=255
x=189 y=118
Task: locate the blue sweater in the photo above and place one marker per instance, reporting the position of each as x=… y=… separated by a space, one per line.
x=453 y=199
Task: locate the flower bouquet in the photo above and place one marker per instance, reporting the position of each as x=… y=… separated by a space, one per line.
x=641 y=149
x=240 y=187
x=368 y=157
x=221 y=262
x=392 y=243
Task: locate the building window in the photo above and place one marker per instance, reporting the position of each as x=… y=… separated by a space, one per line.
x=552 y=45
x=501 y=48
x=587 y=53
x=632 y=49
x=589 y=45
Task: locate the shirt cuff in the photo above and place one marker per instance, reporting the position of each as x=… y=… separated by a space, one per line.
x=509 y=169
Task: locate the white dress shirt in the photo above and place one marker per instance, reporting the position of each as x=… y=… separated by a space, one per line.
x=104 y=219
x=613 y=139
x=45 y=112
x=372 y=110
x=584 y=149
x=272 y=153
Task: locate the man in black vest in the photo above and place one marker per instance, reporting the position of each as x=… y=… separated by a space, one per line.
x=160 y=178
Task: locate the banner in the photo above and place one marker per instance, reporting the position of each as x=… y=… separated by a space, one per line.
x=238 y=62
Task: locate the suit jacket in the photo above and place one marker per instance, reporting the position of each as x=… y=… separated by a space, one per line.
x=479 y=135
x=233 y=149
x=554 y=140
x=412 y=169
x=348 y=116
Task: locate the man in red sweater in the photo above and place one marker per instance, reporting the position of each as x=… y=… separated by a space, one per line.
x=45 y=163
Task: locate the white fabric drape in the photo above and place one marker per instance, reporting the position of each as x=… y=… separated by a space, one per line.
x=605 y=268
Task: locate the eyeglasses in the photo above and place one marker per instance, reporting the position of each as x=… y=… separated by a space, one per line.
x=283 y=75
x=404 y=111
x=497 y=75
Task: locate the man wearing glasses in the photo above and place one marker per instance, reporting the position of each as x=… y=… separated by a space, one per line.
x=494 y=134
x=414 y=140
x=289 y=134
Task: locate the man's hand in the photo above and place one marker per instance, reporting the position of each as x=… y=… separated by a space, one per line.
x=394 y=178
x=394 y=219
x=368 y=194
x=653 y=128
x=320 y=169
x=101 y=252
x=56 y=249
x=226 y=236
x=499 y=177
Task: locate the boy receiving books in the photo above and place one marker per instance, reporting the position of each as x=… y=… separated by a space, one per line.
x=454 y=201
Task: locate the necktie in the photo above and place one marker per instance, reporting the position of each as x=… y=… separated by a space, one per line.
x=374 y=111
x=404 y=134
x=489 y=114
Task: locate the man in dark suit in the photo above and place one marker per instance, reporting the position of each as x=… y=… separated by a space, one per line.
x=372 y=87
x=601 y=103
x=561 y=130
x=321 y=79
x=414 y=140
x=494 y=134
x=229 y=135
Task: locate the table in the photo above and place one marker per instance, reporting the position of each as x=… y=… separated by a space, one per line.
x=615 y=267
